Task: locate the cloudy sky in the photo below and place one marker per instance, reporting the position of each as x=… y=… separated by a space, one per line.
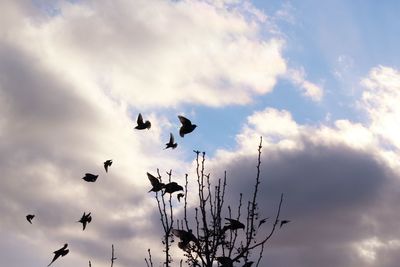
x=318 y=80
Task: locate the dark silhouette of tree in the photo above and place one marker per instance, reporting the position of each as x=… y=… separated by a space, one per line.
x=214 y=234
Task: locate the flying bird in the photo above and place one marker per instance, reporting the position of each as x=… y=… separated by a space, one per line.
x=179 y=196
x=90 y=177
x=171 y=143
x=233 y=225
x=157 y=185
x=172 y=187
x=61 y=252
x=262 y=221
x=29 y=217
x=85 y=219
x=187 y=126
x=284 y=222
x=107 y=164
x=186 y=237
x=142 y=125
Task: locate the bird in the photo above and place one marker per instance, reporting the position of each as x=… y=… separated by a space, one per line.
x=225 y=261
x=85 y=219
x=172 y=187
x=179 y=196
x=90 y=177
x=61 y=252
x=157 y=185
x=187 y=126
x=171 y=142
x=233 y=225
x=262 y=221
x=107 y=164
x=186 y=237
x=284 y=222
x=248 y=264
x=29 y=217
x=142 y=125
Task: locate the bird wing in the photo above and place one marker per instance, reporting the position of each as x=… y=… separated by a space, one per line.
x=139 y=119
x=153 y=180
x=171 y=138
x=184 y=121
x=106 y=166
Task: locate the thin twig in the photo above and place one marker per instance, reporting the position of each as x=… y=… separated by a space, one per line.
x=113 y=258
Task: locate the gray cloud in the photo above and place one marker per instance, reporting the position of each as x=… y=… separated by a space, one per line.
x=336 y=197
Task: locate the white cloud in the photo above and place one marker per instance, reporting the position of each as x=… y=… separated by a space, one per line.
x=183 y=52
x=309 y=89
x=380 y=100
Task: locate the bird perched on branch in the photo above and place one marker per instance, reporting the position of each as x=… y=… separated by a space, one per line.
x=61 y=252
x=107 y=164
x=85 y=219
x=30 y=217
x=172 y=187
x=171 y=143
x=225 y=261
x=142 y=125
x=157 y=185
x=90 y=177
x=186 y=237
x=187 y=126
x=233 y=225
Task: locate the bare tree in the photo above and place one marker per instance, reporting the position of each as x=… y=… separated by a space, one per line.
x=215 y=234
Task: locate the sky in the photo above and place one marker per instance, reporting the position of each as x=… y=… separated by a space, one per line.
x=319 y=81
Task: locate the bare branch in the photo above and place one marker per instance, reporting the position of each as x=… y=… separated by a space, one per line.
x=113 y=258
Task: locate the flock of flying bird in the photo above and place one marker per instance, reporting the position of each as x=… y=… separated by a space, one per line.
x=185 y=236
x=186 y=127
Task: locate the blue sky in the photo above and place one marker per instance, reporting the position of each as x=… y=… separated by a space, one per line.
x=318 y=80
x=323 y=38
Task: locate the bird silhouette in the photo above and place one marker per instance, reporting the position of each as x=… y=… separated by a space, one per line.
x=179 y=196
x=29 y=217
x=233 y=225
x=284 y=222
x=142 y=125
x=90 y=177
x=107 y=164
x=187 y=126
x=157 y=185
x=171 y=143
x=85 y=219
x=172 y=187
x=61 y=252
x=225 y=261
x=186 y=237
x=262 y=221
